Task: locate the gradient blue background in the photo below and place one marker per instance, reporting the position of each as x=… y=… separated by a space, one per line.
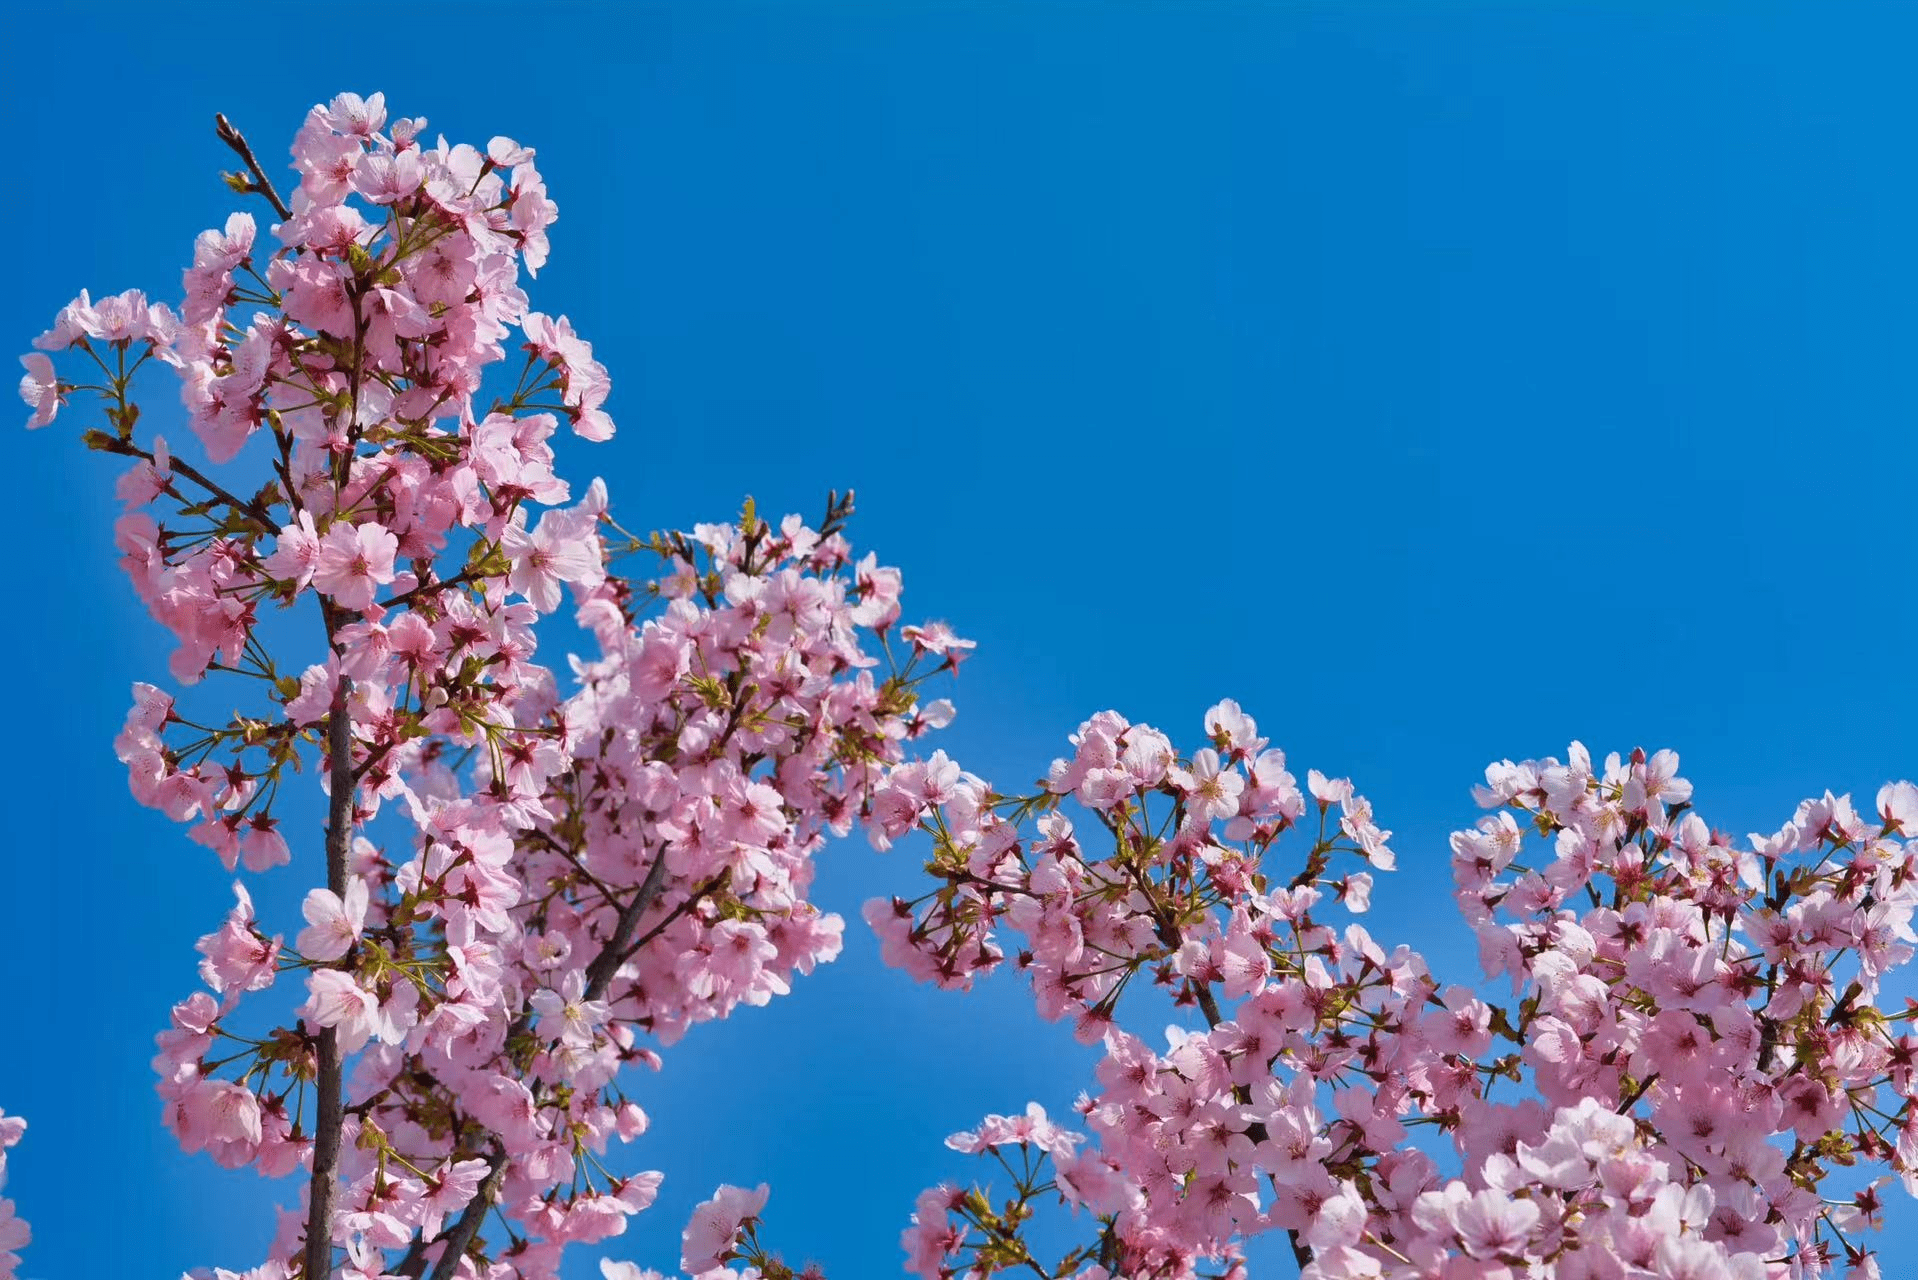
x=1443 y=382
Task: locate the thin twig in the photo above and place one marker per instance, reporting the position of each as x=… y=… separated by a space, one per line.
x=261 y=183
x=427 y=588
x=252 y=510
x=690 y=902
x=599 y=975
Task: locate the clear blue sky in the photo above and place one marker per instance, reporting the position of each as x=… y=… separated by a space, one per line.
x=1442 y=381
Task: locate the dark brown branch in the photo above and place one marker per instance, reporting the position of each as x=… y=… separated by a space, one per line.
x=260 y=182
x=599 y=976
x=691 y=902
x=1638 y=1091
x=413 y=1261
x=329 y=1085
x=461 y=1233
x=1209 y=1006
x=251 y=510
x=428 y=588
x=838 y=512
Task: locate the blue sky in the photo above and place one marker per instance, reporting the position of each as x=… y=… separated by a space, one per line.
x=1443 y=382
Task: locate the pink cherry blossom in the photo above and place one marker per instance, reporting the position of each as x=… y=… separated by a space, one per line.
x=354 y=560
x=40 y=389
x=710 y=1233
x=567 y=1014
x=537 y=886
x=333 y=921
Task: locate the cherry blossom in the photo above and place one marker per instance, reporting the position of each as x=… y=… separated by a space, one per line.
x=1680 y=1058
x=14 y=1233
x=1692 y=1019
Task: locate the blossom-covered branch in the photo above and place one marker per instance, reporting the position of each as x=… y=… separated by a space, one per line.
x=571 y=875
x=524 y=892
x=1697 y=1023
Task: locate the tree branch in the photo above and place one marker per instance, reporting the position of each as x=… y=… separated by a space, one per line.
x=260 y=183
x=1209 y=1005
x=428 y=588
x=329 y=1086
x=462 y=1232
x=251 y=510
x=599 y=976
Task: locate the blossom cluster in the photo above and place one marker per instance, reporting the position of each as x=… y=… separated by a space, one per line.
x=712 y=750
x=722 y=1231
x=1695 y=1043
x=13 y=1231
x=1188 y=1142
x=571 y=874
x=1700 y=1072
x=353 y=337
